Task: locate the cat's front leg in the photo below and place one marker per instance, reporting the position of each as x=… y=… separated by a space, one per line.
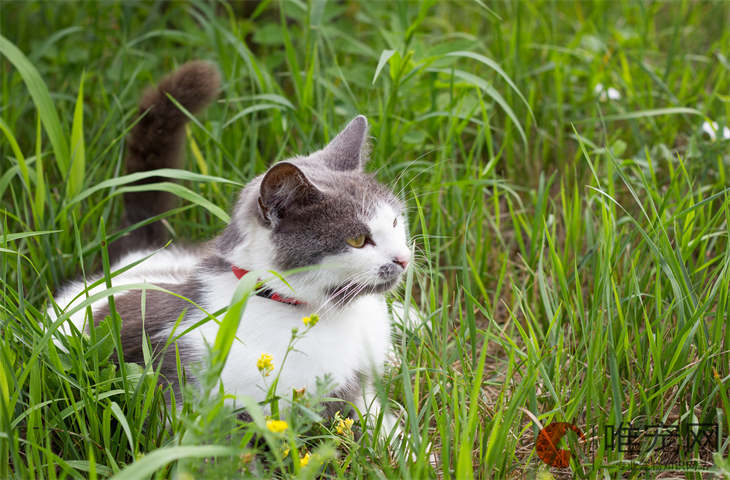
x=370 y=406
x=391 y=430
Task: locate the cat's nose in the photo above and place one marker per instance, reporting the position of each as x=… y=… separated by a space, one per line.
x=402 y=261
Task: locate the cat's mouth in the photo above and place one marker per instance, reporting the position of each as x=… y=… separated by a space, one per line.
x=346 y=293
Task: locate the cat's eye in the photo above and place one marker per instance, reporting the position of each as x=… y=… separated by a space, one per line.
x=395 y=222
x=357 y=242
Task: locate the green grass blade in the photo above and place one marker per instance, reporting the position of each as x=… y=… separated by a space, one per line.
x=42 y=99
x=78 y=149
x=494 y=66
x=656 y=112
x=229 y=326
x=384 y=57
x=18 y=155
x=9 y=237
x=160 y=458
x=490 y=91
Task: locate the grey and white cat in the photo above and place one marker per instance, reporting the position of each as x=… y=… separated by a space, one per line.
x=320 y=210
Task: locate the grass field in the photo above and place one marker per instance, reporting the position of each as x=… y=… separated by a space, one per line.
x=569 y=212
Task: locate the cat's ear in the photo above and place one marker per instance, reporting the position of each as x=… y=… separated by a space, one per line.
x=348 y=150
x=284 y=185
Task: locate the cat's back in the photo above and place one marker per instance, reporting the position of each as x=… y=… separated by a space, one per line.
x=172 y=266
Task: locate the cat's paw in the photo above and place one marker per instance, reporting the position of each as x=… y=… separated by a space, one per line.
x=401 y=443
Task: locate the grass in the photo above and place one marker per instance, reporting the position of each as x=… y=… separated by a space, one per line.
x=572 y=249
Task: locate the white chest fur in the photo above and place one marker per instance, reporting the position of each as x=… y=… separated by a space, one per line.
x=343 y=343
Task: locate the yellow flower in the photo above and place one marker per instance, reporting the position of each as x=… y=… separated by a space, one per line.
x=286 y=452
x=344 y=426
x=265 y=364
x=311 y=320
x=305 y=460
x=276 y=426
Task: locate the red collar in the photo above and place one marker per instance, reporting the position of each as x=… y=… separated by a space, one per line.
x=266 y=292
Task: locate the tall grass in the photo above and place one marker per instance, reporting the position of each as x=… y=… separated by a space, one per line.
x=572 y=249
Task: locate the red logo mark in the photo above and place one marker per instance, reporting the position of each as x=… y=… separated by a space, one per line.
x=547 y=444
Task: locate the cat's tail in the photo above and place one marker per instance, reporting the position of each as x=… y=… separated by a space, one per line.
x=157 y=141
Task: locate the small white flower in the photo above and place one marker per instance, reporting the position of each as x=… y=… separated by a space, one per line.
x=604 y=93
x=712 y=129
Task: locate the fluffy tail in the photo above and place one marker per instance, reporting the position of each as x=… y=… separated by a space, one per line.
x=157 y=141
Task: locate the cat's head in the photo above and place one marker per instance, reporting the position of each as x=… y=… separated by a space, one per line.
x=324 y=213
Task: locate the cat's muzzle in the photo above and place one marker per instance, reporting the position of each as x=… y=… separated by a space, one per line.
x=390 y=271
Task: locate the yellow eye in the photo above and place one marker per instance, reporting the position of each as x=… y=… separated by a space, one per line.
x=357 y=242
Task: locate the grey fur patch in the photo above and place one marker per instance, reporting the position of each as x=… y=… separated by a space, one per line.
x=389 y=271
x=316 y=226
x=214 y=264
x=161 y=311
x=342 y=398
x=310 y=232
x=229 y=239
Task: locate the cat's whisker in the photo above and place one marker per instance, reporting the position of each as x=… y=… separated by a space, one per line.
x=337 y=301
x=328 y=303
x=418 y=173
x=400 y=193
x=350 y=294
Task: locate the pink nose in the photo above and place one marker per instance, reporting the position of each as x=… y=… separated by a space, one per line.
x=402 y=261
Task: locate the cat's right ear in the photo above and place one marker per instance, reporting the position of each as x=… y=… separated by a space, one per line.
x=283 y=186
x=348 y=150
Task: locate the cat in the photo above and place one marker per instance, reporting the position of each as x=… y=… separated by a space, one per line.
x=319 y=211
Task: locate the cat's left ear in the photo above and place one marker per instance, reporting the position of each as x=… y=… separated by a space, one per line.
x=283 y=186
x=348 y=150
